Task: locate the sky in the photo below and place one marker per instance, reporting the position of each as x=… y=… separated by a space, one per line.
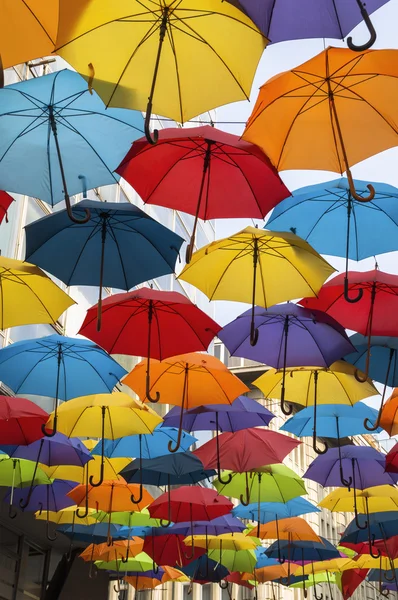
x=382 y=167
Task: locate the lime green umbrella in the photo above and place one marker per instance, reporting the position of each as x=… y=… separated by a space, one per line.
x=141 y=562
x=312 y=580
x=128 y=519
x=19 y=473
x=272 y=483
x=243 y=561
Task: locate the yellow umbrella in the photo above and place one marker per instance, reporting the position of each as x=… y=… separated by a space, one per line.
x=366 y=561
x=226 y=541
x=310 y=386
x=28 y=30
x=108 y=416
x=112 y=468
x=179 y=58
x=257 y=266
x=67 y=516
x=27 y=295
x=381 y=498
x=335 y=565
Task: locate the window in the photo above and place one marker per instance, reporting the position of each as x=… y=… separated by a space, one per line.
x=33 y=572
x=206 y=591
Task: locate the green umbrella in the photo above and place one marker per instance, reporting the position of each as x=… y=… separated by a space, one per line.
x=19 y=473
x=128 y=519
x=141 y=562
x=312 y=580
x=235 y=560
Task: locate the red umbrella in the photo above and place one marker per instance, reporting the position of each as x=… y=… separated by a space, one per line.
x=170 y=550
x=246 y=449
x=145 y=322
x=5 y=201
x=392 y=460
x=236 y=577
x=350 y=580
x=388 y=547
x=20 y=421
x=204 y=172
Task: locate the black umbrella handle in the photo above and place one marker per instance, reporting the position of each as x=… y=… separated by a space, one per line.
x=315 y=593
x=148 y=363
x=102 y=469
x=358 y=524
x=192 y=553
x=371 y=29
x=55 y=418
x=164 y=523
x=281 y=558
x=140 y=496
x=358 y=376
x=184 y=399
x=288 y=408
x=253 y=328
x=345 y=482
x=314 y=436
x=246 y=501
x=229 y=476
x=84 y=514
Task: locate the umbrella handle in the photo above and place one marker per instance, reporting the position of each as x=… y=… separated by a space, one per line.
x=12 y=512
x=192 y=553
x=253 y=328
x=387 y=578
x=367 y=423
x=54 y=429
x=371 y=30
x=151 y=140
x=48 y=536
x=371 y=545
x=314 y=436
x=139 y=499
x=70 y=212
x=246 y=501
x=315 y=447
x=148 y=362
x=93 y=572
x=288 y=408
x=184 y=392
x=101 y=477
x=223 y=585
x=163 y=522
x=225 y=481
x=347 y=297
x=316 y=596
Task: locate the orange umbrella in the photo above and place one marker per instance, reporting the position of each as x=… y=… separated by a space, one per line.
x=293 y=529
x=141 y=581
x=118 y=549
x=389 y=414
x=330 y=113
x=187 y=380
x=270 y=573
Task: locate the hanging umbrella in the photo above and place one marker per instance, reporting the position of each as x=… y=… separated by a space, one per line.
x=129 y=518
x=118 y=549
x=140 y=562
x=21 y=421
x=205 y=570
x=293 y=529
x=318 y=213
x=169 y=548
x=92 y=534
x=149 y=580
x=66 y=516
x=241 y=414
x=245 y=450
x=151 y=445
x=65 y=134
x=310 y=386
x=387 y=547
x=272 y=573
x=225 y=541
x=269 y=511
x=142 y=323
x=382 y=367
x=234 y=560
x=112 y=466
x=257 y=267
x=106 y=416
x=113 y=234
x=389 y=418
x=19 y=473
x=236 y=577
x=151 y=70
x=188 y=380
x=190 y=504
x=205 y=172
x=327 y=97
x=218 y=526
x=332 y=565
x=59 y=367
x=289 y=336
x=392 y=460
x=5 y=202
x=28 y=296
x=381 y=498
x=313 y=19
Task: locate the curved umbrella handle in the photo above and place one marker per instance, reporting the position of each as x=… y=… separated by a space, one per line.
x=102 y=469
x=371 y=546
x=347 y=298
x=139 y=499
x=371 y=29
x=151 y=140
x=316 y=596
x=148 y=366
x=93 y=572
x=314 y=436
x=54 y=429
x=387 y=578
x=246 y=501
x=358 y=524
x=179 y=437
x=366 y=422
x=72 y=216
x=12 y=512
x=287 y=409
x=223 y=585
x=224 y=481
x=163 y=522
x=253 y=329
x=345 y=482
x=315 y=447
x=48 y=536
x=192 y=553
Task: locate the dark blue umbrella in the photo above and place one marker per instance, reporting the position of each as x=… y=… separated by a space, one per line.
x=59 y=367
x=382 y=525
x=59 y=139
x=302 y=551
x=119 y=247
x=379 y=355
x=204 y=569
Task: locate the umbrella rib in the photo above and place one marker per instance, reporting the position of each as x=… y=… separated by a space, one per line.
x=170 y=36
x=92 y=233
x=38 y=21
x=112 y=233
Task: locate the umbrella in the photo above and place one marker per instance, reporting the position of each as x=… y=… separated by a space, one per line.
x=381 y=498
x=92 y=534
x=20 y=421
x=28 y=296
x=377 y=298
x=241 y=414
x=142 y=323
x=310 y=386
x=140 y=562
x=148 y=580
x=317 y=213
x=387 y=547
x=204 y=570
x=333 y=565
x=205 y=172
x=148 y=445
x=234 y=560
x=217 y=526
x=245 y=450
x=289 y=336
x=382 y=367
x=327 y=97
x=112 y=466
x=59 y=367
x=311 y=20
x=389 y=419
x=151 y=70
x=169 y=548
x=129 y=519
x=113 y=234
x=392 y=460
x=187 y=380
x=269 y=511
x=64 y=133
x=105 y=416
x=118 y=549
x=19 y=473
x=5 y=203
x=66 y=516
x=293 y=529
x=225 y=541
x=272 y=573
x=258 y=267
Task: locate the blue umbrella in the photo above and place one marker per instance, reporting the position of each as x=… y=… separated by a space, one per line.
x=205 y=569
x=269 y=511
x=96 y=533
x=58 y=139
x=379 y=526
x=120 y=246
x=151 y=445
x=263 y=560
x=318 y=213
x=59 y=367
x=379 y=355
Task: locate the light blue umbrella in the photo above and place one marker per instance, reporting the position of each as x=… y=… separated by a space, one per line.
x=58 y=139
x=269 y=511
x=263 y=560
x=151 y=445
x=59 y=367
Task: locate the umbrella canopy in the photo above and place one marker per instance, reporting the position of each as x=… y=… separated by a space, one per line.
x=313 y=19
x=258 y=267
x=272 y=573
x=151 y=69
x=387 y=547
x=203 y=171
x=382 y=525
x=310 y=337
x=269 y=511
x=293 y=529
x=109 y=496
x=19 y=473
x=57 y=450
x=303 y=550
x=44 y=497
x=225 y=541
x=66 y=516
x=140 y=562
x=342 y=114
x=92 y=534
x=20 y=421
x=381 y=498
x=190 y=504
x=118 y=549
x=245 y=450
x=389 y=417
x=204 y=569
x=148 y=445
x=241 y=414
x=336 y=565
x=218 y=526
x=234 y=560
x=170 y=548
x=28 y=295
x=112 y=466
x=315 y=211
x=392 y=460
x=129 y=519
x=148 y=580
x=63 y=132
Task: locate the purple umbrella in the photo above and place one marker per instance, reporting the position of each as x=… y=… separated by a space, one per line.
x=364 y=466
x=282 y=20
x=287 y=337
x=52 y=451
